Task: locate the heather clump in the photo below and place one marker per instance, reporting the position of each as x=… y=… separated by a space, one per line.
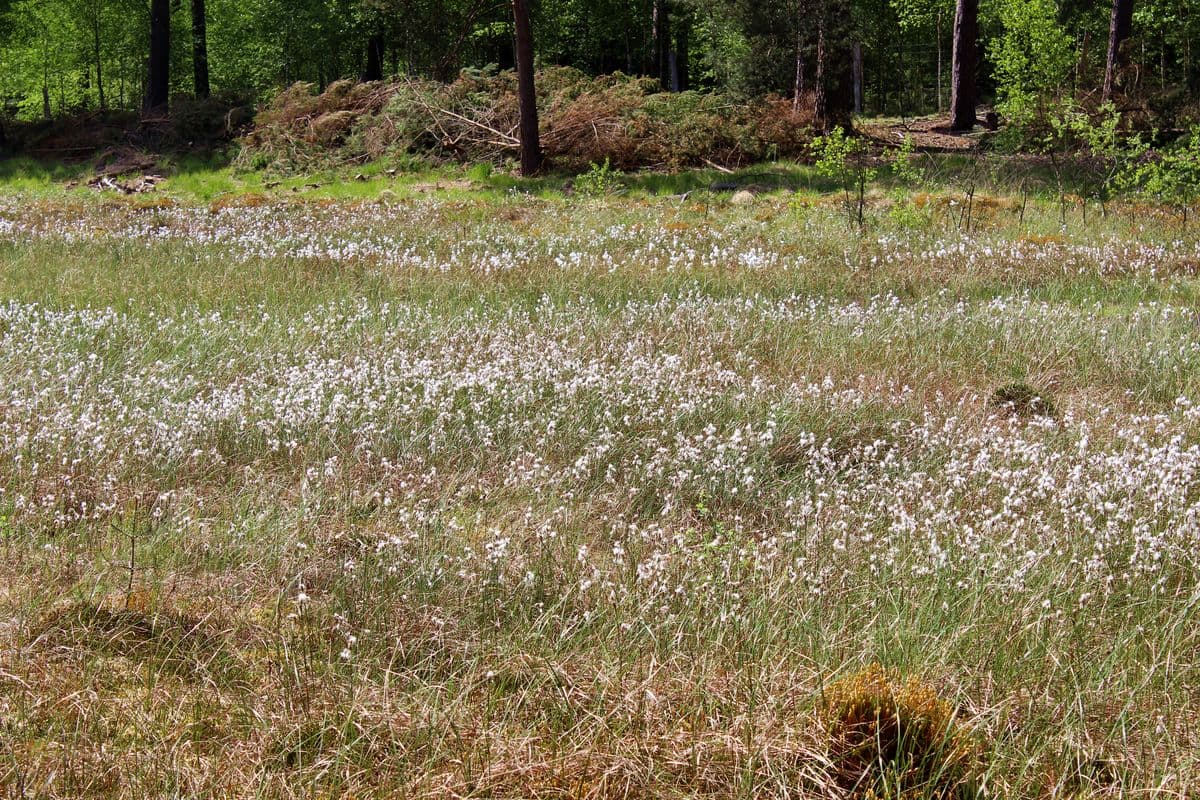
x=1021 y=399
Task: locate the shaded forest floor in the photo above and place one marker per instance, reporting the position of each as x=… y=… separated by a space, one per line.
x=929 y=133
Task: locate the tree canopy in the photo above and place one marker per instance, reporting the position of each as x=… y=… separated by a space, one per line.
x=67 y=56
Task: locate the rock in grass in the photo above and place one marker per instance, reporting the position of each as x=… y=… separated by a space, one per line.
x=742 y=198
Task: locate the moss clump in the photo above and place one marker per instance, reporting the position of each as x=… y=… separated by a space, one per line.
x=893 y=738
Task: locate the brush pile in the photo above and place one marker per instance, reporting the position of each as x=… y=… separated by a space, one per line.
x=584 y=120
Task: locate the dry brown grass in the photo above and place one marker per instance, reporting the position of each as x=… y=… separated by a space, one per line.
x=111 y=702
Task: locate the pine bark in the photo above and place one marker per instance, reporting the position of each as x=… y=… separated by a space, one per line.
x=531 y=149
x=798 y=84
x=964 y=58
x=938 y=30
x=833 y=83
x=1119 y=27
x=662 y=43
x=200 y=49
x=820 y=112
x=679 y=75
x=158 y=84
x=374 y=68
x=857 y=57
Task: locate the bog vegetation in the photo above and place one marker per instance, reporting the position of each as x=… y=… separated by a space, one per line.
x=480 y=492
x=748 y=444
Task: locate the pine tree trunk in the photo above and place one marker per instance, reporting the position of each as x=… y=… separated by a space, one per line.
x=683 y=31
x=531 y=149
x=833 y=85
x=938 y=28
x=1118 y=31
x=857 y=68
x=374 y=68
x=99 y=64
x=798 y=86
x=158 y=84
x=662 y=43
x=963 y=63
x=200 y=49
x=819 y=110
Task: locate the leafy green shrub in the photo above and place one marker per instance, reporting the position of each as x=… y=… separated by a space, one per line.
x=1032 y=55
x=1086 y=149
x=845 y=160
x=599 y=180
x=1169 y=175
x=903 y=164
x=911 y=177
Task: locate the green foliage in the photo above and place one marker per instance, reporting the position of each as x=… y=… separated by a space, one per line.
x=904 y=166
x=480 y=172
x=909 y=176
x=845 y=159
x=598 y=180
x=1095 y=144
x=1071 y=126
x=68 y=57
x=921 y=14
x=1170 y=175
x=838 y=156
x=726 y=52
x=1032 y=56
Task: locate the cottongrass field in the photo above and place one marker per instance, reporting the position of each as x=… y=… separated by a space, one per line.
x=620 y=498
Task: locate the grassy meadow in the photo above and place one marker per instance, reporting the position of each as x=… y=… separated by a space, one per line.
x=460 y=487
